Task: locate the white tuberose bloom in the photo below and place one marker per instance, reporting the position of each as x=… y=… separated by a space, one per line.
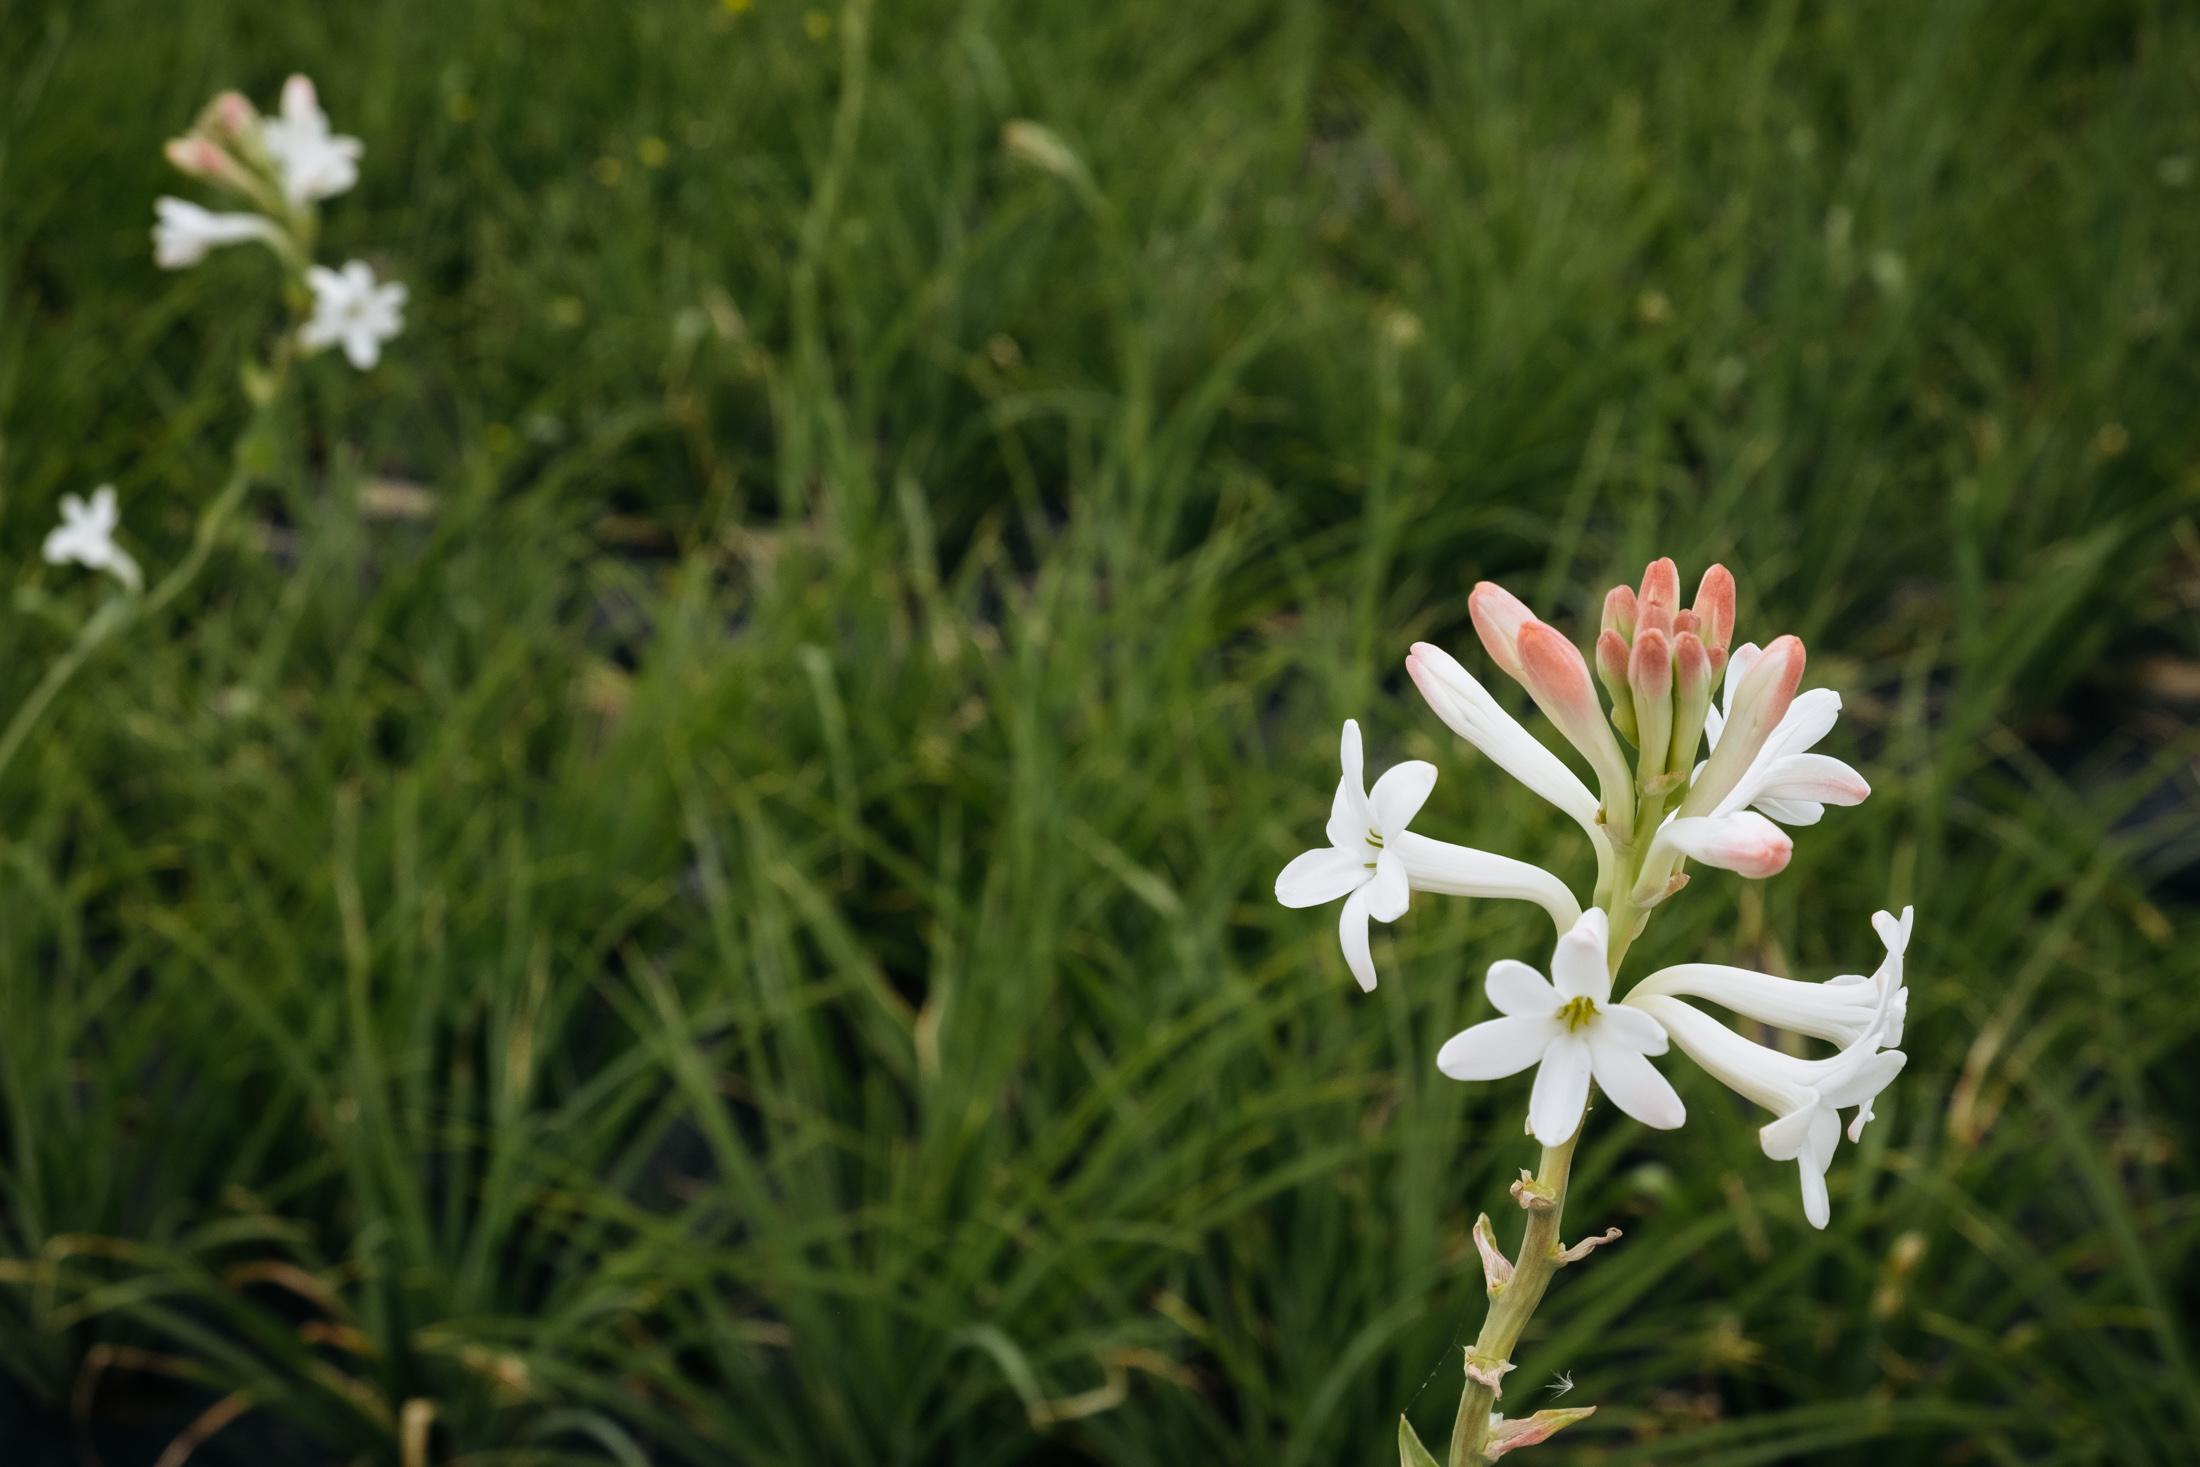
x=1573 y=1030
x=349 y=307
x=1842 y=1009
x=183 y=232
x=1374 y=862
x=1470 y=712
x=1806 y=1095
x=1784 y=782
x=86 y=536
x=313 y=164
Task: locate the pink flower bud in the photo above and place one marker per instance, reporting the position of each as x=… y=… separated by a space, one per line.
x=1650 y=678
x=230 y=119
x=1715 y=611
x=1552 y=670
x=1612 y=672
x=201 y=158
x=1759 y=703
x=1660 y=597
x=1745 y=842
x=1619 y=612
x=1693 y=681
x=1498 y=617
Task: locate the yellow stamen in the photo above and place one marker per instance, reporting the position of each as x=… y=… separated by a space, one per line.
x=1578 y=1012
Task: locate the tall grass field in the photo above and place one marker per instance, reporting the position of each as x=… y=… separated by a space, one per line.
x=692 y=883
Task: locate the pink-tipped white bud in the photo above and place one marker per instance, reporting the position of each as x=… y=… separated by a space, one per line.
x=1714 y=610
x=1498 y=617
x=1650 y=679
x=230 y=119
x=1659 y=599
x=1552 y=670
x=1612 y=672
x=1619 y=612
x=1760 y=701
x=1693 y=680
x=203 y=158
x=1744 y=842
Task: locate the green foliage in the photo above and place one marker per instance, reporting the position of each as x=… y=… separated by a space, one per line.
x=745 y=935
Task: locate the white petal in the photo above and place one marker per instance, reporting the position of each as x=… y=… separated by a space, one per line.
x=1388 y=893
x=1352 y=935
x=1807 y=720
x=1448 y=870
x=1818 y=778
x=1785 y=1138
x=1497 y=1048
x=1869 y=1078
x=1517 y=989
x=1618 y=1024
x=1788 y=812
x=1578 y=967
x=1470 y=712
x=1743 y=842
x=1774 y=1080
x=1350 y=820
x=1841 y=1012
x=1561 y=1093
x=1714 y=723
x=1319 y=876
x=1633 y=1082
x=1400 y=793
x=1817 y=1207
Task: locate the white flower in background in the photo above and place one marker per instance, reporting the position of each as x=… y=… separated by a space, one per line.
x=183 y=232
x=351 y=309
x=86 y=536
x=1806 y=1095
x=1570 y=1028
x=1374 y=862
x=311 y=163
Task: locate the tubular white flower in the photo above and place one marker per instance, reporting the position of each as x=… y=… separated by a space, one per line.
x=86 y=535
x=183 y=232
x=1361 y=863
x=311 y=163
x=1805 y=1095
x=351 y=309
x=1784 y=782
x=1842 y=1009
x=1467 y=708
x=1373 y=861
x=1573 y=1032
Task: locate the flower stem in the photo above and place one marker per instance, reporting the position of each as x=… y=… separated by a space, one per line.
x=1513 y=1304
x=120 y=611
x=1514 y=1301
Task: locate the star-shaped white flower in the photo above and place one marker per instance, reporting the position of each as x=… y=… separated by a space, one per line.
x=1373 y=861
x=312 y=164
x=1361 y=862
x=86 y=535
x=183 y=232
x=351 y=309
x=1573 y=1030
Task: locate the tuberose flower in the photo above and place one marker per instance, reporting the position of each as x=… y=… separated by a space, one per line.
x=86 y=535
x=311 y=163
x=1373 y=861
x=1571 y=1029
x=351 y=309
x=1806 y=1096
x=1842 y=1010
x=183 y=232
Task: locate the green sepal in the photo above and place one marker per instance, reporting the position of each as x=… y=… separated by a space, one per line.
x=1410 y=1451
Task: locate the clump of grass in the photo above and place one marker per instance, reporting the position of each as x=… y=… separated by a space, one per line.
x=743 y=934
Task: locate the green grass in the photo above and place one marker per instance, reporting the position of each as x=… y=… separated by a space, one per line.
x=746 y=938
